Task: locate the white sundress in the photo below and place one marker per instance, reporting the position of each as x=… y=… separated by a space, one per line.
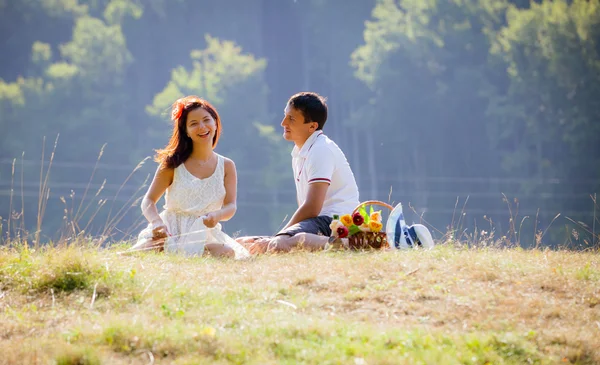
x=186 y=200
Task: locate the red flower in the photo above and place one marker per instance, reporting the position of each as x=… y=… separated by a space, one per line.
x=177 y=110
x=358 y=219
x=342 y=232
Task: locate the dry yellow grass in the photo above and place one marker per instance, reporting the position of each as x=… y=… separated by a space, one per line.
x=445 y=306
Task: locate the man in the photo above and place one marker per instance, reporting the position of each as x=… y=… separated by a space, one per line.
x=325 y=184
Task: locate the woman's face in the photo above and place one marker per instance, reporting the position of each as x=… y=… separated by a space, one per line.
x=200 y=126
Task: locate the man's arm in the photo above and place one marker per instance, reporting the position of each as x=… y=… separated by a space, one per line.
x=312 y=205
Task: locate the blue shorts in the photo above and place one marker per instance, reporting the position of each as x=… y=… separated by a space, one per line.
x=317 y=225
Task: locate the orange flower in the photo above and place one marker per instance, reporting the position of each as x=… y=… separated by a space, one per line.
x=375 y=226
x=347 y=220
x=376 y=216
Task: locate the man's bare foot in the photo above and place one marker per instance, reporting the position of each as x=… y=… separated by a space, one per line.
x=258 y=246
x=254 y=244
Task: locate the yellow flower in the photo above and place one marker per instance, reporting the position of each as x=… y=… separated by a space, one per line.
x=209 y=331
x=375 y=226
x=376 y=216
x=347 y=220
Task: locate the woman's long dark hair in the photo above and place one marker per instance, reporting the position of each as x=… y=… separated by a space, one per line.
x=180 y=145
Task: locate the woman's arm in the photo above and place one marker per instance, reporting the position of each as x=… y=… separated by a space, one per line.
x=163 y=178
x=229 y=203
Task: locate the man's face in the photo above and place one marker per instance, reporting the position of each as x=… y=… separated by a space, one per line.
x=294 y=128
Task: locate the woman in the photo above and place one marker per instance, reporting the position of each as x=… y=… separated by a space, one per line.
x=200 y=186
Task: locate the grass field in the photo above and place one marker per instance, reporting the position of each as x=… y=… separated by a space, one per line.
x=450 y=305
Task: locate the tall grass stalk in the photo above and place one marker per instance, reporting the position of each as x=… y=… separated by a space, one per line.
x=10 y=208
x=44 y=192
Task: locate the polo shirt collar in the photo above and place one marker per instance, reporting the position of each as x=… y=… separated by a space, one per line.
x=303 y=152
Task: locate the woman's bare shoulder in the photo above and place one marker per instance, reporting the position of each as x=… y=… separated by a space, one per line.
x=228 y=162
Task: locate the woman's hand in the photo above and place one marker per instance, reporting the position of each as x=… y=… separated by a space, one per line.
x=159 y=230
x=162 y=180
x=210 y=220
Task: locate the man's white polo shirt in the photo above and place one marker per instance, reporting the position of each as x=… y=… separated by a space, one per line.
x=321 y=160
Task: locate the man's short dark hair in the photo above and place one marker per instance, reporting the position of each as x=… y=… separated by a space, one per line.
x=312 y=106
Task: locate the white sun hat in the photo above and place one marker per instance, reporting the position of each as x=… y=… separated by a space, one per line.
x=401 y=236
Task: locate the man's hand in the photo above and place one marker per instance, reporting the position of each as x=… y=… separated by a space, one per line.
x=210 y=220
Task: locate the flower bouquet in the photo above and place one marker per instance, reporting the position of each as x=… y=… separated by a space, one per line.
x=364 y=230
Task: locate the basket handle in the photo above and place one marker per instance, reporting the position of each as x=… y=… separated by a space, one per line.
x=373 y=202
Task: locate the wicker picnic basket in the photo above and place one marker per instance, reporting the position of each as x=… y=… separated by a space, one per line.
x=369 y=240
